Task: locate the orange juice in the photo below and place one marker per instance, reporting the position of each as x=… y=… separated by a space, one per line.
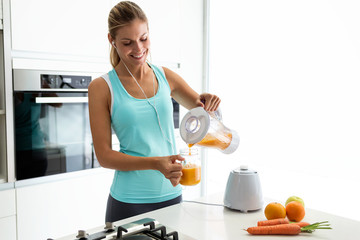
x=210 y=140
x=191 y=174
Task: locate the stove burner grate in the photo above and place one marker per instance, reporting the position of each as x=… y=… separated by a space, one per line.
x=146 y=229
x=151 y=233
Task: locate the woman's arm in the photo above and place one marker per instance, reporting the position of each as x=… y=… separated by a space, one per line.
x=100 y=123
x=186 y=96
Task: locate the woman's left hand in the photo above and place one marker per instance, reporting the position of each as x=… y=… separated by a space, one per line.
x=209 y=102
x=170 y=167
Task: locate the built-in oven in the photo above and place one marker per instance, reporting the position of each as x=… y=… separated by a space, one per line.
x=51 y=119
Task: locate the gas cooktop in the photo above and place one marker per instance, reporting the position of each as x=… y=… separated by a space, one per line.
x=146 y=228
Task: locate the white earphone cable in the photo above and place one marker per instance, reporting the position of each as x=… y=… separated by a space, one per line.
x=153 y=105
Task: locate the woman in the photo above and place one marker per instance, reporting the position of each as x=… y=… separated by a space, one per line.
x=134 y=99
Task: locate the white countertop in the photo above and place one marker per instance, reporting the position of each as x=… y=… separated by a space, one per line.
x=216 y=222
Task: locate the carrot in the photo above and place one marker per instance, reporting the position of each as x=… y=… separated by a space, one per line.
x=301 y=224
x=282 y=229
x=276 y=221
x=287 y=229
x=279 y=221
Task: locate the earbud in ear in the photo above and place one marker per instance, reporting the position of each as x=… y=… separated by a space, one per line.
x=113 y=43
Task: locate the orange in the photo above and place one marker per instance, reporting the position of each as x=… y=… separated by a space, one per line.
x=275 y=210
x=295 y=211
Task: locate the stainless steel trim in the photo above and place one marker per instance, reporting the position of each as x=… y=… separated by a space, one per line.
x=61 y=99
x=29 y=79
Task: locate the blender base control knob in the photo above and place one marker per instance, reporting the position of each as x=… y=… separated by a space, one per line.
x=244 y=167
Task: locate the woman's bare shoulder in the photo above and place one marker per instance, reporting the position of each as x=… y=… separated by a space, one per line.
x=98 y=84
x=170 y=73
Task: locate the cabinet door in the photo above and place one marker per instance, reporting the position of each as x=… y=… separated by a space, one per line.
x=8 y=228
x=61 y=27
x=7 y=214
x=7 y=206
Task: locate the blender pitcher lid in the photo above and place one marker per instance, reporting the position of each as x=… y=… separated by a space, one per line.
x=194 y=125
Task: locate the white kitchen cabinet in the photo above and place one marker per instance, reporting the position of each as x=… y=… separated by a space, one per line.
x=7 y=206
x=63 y=27
x=8 y=228
x=7 y=214
x=64 y=206
x=79 y=28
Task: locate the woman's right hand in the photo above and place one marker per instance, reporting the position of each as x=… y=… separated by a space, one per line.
x=170 y=168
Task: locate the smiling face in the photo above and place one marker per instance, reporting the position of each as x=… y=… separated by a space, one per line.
x=132 y=42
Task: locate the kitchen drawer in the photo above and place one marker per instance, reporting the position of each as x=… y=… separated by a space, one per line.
x=7 y=206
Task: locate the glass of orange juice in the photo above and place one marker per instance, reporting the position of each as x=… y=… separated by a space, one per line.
x=191 y=167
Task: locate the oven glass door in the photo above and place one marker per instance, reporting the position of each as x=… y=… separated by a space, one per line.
x=52 y=133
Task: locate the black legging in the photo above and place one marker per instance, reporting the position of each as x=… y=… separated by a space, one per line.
x=117 y=210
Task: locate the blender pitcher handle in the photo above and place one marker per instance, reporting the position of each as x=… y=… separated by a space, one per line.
x=216 y=114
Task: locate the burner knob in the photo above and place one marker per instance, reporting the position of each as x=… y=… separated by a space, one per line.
x=81 y=234
x=109 y=225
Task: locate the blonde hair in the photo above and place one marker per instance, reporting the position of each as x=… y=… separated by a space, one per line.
x=121 y=15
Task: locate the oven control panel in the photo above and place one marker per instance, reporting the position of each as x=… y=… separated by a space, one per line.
x=64 y=81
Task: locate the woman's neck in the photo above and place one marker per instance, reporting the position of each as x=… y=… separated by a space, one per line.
x=137 y=71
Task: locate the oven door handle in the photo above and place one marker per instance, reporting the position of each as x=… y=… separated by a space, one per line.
x=61 y=99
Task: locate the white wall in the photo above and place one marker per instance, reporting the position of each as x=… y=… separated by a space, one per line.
x=288 y=73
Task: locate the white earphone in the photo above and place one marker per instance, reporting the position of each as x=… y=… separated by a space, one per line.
x=113 y=43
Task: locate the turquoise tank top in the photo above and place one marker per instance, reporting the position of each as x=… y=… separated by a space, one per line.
x=135 y=123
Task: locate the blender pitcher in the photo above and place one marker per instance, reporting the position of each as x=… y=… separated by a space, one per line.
x=201 y=128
